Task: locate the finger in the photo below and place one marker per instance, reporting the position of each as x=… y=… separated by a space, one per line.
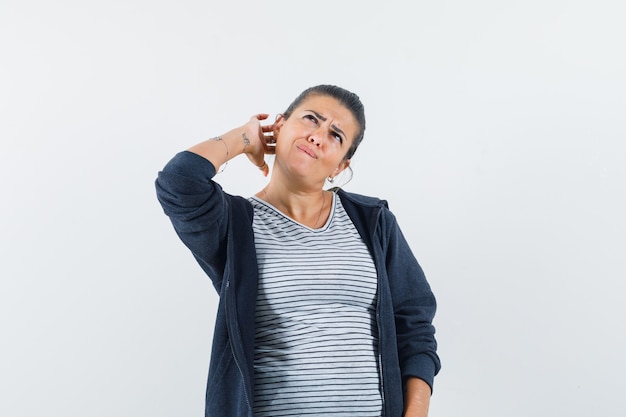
x=270 y=145
x=268 y=138
x=261 y=116
x=265 y=169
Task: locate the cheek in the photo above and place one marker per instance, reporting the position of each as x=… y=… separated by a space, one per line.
x=283 y=145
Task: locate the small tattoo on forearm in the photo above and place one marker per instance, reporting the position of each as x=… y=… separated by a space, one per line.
x=246 y=141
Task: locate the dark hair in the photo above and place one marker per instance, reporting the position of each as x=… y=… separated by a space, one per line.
x=350 y=100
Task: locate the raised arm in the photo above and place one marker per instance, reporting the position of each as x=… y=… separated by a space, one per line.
x=196 y=205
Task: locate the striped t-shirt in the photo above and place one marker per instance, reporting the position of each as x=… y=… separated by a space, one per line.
x=316 y=341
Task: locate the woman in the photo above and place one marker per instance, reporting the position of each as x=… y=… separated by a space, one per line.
x=323 y=308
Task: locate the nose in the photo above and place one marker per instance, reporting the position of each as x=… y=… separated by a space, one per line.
x=314 y=137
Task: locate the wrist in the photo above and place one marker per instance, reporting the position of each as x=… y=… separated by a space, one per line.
x=238 y=141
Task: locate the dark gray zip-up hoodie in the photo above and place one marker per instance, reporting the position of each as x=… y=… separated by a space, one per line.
x=217 y=228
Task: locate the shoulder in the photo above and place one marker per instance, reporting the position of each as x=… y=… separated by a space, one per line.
x=367 y=213
x=361 y=200
x=239 y=206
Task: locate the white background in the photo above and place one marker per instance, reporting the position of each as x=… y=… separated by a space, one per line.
x=496 y=131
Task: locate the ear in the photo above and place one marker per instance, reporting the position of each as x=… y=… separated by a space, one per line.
x=343 y=165
x=278 y=124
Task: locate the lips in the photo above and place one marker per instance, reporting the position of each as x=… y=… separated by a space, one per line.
x=307 y=150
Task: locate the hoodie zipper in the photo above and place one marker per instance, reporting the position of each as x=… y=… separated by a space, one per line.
x=380 y=354
x=380 y=341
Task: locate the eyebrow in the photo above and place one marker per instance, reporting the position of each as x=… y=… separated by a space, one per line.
x=323 y=119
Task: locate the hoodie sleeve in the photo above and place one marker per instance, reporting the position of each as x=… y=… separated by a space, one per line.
x=197 y=208
x=414 y=308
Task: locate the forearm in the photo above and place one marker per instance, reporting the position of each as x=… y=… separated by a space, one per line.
x=416 y=398
x=223 y=148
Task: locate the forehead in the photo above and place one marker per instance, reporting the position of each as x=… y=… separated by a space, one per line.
x=333 y=110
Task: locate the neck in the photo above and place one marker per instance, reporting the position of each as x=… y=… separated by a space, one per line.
x=310 y=208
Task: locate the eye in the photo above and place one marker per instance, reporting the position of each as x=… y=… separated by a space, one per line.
x=337 y=137
x=311 y=118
